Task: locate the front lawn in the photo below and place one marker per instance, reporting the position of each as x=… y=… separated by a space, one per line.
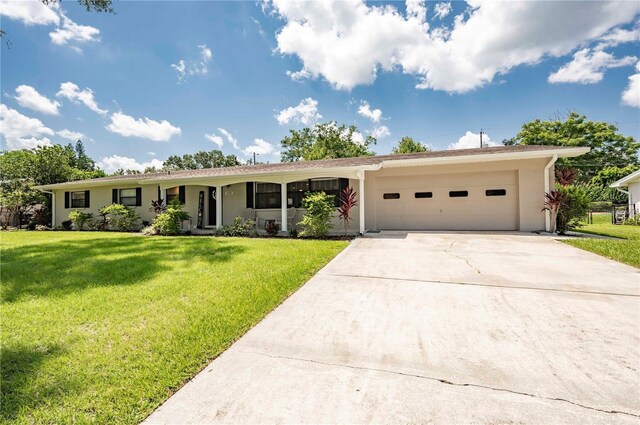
x=103 y=327
x=626 y=251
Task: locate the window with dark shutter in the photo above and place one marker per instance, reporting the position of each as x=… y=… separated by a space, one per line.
x=172 y=193
x=79 y=199
x=268 y=195
x=67 y=199
x=250 y=194
x=138 y=197
x=114 y=196
x=182 y=195
x=128 y=197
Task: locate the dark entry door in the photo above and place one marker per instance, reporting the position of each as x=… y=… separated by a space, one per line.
x=212 y=206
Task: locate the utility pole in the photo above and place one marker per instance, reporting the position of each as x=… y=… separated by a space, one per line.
x=254 y=158
x=481 y=137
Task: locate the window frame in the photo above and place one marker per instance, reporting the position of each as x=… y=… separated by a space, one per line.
x=261 y=195
x=170 y=196
x=134 y=197
x=84 y=199
x=495 y=192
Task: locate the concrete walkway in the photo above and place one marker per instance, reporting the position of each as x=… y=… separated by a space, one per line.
x=437 y=328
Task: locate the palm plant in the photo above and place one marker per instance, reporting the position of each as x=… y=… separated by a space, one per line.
x=565 y=176
x=348 y=201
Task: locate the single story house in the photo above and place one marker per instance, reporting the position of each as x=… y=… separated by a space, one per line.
x=493 y=188
x=632 y=185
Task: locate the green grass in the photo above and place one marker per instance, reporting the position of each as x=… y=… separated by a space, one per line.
x=103 y=327
x=626 y=251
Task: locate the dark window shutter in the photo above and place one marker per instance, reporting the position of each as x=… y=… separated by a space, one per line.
x=67 y=197
x=114 y=196
x=86 y=199
x=159 y=193
x=181 y=195
x=343 y=183
x=138 y=196
x=250 y=193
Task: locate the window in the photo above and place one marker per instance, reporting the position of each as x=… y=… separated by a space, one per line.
x=391 y=196
x=128 y=197
x=458 y=194
x=172 y=193
x=78 y=200
x=495 y=192
x=330 y=187
x=268 y=195
x=296 y=192
x=422 y=195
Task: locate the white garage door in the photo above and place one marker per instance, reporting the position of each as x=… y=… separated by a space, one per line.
x=470 y=201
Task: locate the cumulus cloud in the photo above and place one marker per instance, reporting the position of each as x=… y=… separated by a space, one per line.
x=30 y=12
x=71 y=135
x=259 y=147
x=22 y=132
x=306 y=112
x=588 y=66
x=357 y=137
x=349 y=42
x=230 y=139
x=158 y=131
x=380 y=132
x=372 y=114
x=113 y=163
x=215 y=139
x=28 y=97
x=72 y=92
x=442 y=10
x=619 y=36
x=186 y=69
x=631 y=95
x=416 y=10
x=70 y=32
x=472 y=140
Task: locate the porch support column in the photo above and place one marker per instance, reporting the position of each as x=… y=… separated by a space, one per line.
x=361 y=200
x=283 y=207
x=218 y=207
x=53 y=209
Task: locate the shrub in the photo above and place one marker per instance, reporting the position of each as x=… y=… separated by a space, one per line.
x=121 y=217
x=575 y=207
x=317 y=220
x=633 y=221
x=239 y=228
x=348 y=201
x=168 y=222
x=293 y=232
x=66 y=224
x=271 y=228
x=31 y=225
x=80 y=218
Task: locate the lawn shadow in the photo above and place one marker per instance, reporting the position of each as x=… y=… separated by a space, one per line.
x=59 y=268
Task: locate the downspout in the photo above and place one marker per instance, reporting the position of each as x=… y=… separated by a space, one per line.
x=53 y=207
x=547 y=187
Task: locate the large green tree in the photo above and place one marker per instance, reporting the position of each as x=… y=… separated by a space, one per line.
x=200 y=159
x=325 y=141
x=408 y=145
x=609 y=148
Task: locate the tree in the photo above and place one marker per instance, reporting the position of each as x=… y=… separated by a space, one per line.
x=325 y=141
x=199 y=160
x=609 y=148
x=82 y=160
x=17 y=198
x=598 y=187
x=408 y=145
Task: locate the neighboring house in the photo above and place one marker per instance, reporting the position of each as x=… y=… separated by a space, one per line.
x=632 y=185
x=495 y=188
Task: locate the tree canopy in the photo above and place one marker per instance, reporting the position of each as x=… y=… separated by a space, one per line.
x=609 y=148
x=325 y=141
x=200 y=159
x=408 y=145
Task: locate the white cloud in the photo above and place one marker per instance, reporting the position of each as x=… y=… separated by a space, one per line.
x=619 y=36
x=28 y=97
x=366 y=111
x=32 y=12
x=588 y=66
x=305 y=113
x=22 y=132
x=232 y=140
x=259 y=147
x=71 y=135
x=72 y=32
x=416 y=9
x=151 y=153
x=198 y=67
x=72 y=92
x=472 y=140
x=380 y=132
x=158 y=131
x=442 y=10
x=357 y=137
x=631 y=95
x=215 y=139
x=113 y=163
x=349 y=42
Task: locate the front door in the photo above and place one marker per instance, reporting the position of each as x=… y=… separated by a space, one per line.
x=212 y=206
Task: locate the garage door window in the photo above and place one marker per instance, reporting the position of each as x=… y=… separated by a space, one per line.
x=391 y=196
x=458 y=194
x=422 y=195
x=495 y=192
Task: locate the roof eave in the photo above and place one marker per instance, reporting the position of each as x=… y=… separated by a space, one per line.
x=626 y=180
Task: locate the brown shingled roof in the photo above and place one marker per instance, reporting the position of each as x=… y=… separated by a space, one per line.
x=325 y=163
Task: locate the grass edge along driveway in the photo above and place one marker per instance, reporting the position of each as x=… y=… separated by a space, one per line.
x=103 y=327
x=625 y=250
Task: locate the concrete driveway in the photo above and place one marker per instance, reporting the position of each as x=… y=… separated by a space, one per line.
x=436 y=328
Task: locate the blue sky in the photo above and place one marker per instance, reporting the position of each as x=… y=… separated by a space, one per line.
x=432 y=71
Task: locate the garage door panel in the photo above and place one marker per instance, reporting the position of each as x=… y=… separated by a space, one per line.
x=476 y=211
